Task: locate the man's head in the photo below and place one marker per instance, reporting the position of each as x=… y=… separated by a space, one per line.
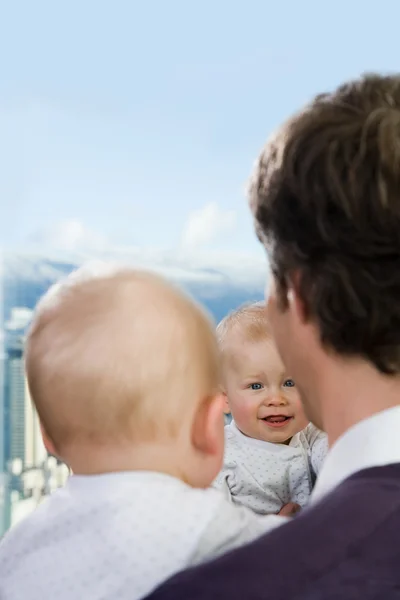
x=326 y=199
x=123 y=369
x=261 y=395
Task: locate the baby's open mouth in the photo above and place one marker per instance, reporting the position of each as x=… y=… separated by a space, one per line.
x=277 y=420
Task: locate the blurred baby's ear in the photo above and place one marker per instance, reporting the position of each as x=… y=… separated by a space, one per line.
x=207 y=441
x=208 y=425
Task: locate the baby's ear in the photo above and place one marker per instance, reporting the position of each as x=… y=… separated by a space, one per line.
x=227 y=408
x=208 y=425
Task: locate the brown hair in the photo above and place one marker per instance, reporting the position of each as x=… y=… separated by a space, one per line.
x=326 y=199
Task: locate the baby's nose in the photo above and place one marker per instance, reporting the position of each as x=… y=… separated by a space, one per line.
x=276 y=400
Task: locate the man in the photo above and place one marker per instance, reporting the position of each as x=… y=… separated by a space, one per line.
x=326 y=200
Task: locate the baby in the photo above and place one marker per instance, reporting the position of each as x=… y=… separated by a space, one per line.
x=272 y=453
x=124 y=372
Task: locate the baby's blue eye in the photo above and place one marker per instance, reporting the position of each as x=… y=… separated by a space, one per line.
x=289 y=383
x=256 y=386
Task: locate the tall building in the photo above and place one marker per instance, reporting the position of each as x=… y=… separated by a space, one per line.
x=35 y=452
x=22 y=447
x=4 y=516
x=22 y=429
x=15 y=401
x=27 y=473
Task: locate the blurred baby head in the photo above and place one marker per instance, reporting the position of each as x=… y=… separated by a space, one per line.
x=123 y=369
x=262 y=397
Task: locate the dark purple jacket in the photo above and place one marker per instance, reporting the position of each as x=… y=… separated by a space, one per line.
x=345 y=547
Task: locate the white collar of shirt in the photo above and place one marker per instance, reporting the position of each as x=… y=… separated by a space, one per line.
x=373 y=442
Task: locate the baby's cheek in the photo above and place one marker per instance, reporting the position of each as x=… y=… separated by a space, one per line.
x=243 y=413
x=299 y=411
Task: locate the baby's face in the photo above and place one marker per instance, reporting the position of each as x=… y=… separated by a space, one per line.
x=264 y=401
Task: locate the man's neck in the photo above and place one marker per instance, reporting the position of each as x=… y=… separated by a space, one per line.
x=350 y=391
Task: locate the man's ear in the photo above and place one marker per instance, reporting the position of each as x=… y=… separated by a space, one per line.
x=295 y=300
x=208 y=425
x=48 y=444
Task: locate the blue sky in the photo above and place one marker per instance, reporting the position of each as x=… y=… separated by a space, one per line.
x=132 y=123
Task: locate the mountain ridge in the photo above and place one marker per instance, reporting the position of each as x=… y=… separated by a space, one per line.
x=218 y=288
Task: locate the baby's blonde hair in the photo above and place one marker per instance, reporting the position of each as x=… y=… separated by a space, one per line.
x=249 y=322
x=118 y=355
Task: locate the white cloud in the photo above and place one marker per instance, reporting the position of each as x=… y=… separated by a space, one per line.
x=194 y=263
x=20 y=318
x=204 y=225
x=70 y=236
